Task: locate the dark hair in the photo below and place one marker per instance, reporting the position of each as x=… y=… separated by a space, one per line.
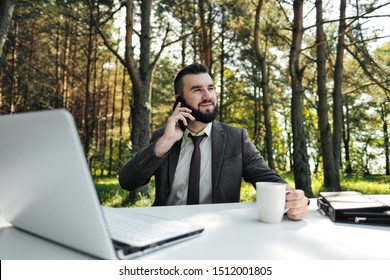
x=194 y=68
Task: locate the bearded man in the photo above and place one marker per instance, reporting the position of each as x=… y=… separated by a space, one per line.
x=225 y=154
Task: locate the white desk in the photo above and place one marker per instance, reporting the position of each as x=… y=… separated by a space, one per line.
x=232 y=231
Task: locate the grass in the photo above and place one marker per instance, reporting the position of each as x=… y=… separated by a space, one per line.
x=111 y=194
x=367 y=184
x=109 y=191
x=372 y=184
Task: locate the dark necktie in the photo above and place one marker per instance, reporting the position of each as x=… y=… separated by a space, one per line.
x=193 y=182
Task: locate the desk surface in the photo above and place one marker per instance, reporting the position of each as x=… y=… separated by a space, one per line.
x=232 y=231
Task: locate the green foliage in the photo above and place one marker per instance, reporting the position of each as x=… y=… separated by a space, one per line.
x=248 y=192
x=163 y=94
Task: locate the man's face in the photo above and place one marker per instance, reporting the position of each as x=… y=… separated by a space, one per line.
x=200 y=97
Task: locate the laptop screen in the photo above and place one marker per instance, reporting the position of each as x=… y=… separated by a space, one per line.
x=46 y=187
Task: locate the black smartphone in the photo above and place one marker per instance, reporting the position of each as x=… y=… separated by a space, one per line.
x=181 y=124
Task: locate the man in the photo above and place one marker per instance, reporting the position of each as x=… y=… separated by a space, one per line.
x=227 y=155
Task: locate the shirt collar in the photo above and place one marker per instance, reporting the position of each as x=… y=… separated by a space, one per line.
x=206 y=130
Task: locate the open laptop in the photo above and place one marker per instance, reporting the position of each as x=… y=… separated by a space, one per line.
x=46 y=189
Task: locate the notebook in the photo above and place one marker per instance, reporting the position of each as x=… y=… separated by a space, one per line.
x=354 y=207
x=46 y=189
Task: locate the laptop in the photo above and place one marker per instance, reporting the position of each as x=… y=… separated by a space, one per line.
x=355 y=207
x=46 y=189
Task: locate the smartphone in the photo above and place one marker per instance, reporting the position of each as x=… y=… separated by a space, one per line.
x=181 y=124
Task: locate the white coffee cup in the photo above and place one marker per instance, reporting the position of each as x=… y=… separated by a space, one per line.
x=271 y=201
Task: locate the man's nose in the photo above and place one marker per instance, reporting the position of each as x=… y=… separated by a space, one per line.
x=207 y=94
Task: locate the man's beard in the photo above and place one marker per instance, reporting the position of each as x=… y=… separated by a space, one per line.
x=200 y=116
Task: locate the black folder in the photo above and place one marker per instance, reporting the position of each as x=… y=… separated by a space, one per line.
x=354 y=207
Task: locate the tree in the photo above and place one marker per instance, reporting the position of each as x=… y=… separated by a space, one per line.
x=261 y=57
x=206 y=33
x=337 y=99
x=331 y=177
x=140 y=68
x=384 y=112
x=375 y=74
x=382 y=98
x=300 y=159
x=6 y=10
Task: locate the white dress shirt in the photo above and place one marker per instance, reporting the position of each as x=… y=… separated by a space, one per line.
x=179 y=187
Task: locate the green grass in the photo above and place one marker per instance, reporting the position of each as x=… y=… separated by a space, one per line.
x=372 y=184
x=111 y=194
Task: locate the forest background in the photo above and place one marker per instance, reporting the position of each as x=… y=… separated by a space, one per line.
x=309 y=80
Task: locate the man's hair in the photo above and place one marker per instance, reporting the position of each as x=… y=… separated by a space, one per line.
x=194 y=68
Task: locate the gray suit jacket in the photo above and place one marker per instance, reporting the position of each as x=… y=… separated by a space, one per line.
x=233 y=157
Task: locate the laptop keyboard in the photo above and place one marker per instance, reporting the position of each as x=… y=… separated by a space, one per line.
x=139 y=229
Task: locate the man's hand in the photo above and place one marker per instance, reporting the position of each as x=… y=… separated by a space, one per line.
x=297 y=203
x=172 y=131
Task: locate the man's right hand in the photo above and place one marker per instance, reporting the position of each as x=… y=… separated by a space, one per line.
x=172 y=131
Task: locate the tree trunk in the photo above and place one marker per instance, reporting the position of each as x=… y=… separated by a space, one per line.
x=141 y=80
x=347 y=138
x=58 y=96
x=14 y=77
x=6 y=10
x=99 y=108
x=94 y=94
x=384 y=113
x=264 y=86
x=121 y=120
x=31 y=51
x=210 y=23
x=71 y=99
x=331 y=177
x=65 y=81
x=337 y=94
x=366 y=156
x=300 y=159
x=195 y=31
x=184 y=40
x=111 y=151
x=1 y=93
x=205 y=37
x=257 y=118
x=88 y=128
x=106 y=94
x=221 y=106
x=289 y=142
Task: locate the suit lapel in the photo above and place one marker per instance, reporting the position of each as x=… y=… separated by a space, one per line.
x=218 y=145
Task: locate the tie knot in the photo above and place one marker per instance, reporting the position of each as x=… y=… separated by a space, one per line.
x=197 y=139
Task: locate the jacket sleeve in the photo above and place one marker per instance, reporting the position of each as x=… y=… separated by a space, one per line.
x=255 y=169
x=139 y=169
